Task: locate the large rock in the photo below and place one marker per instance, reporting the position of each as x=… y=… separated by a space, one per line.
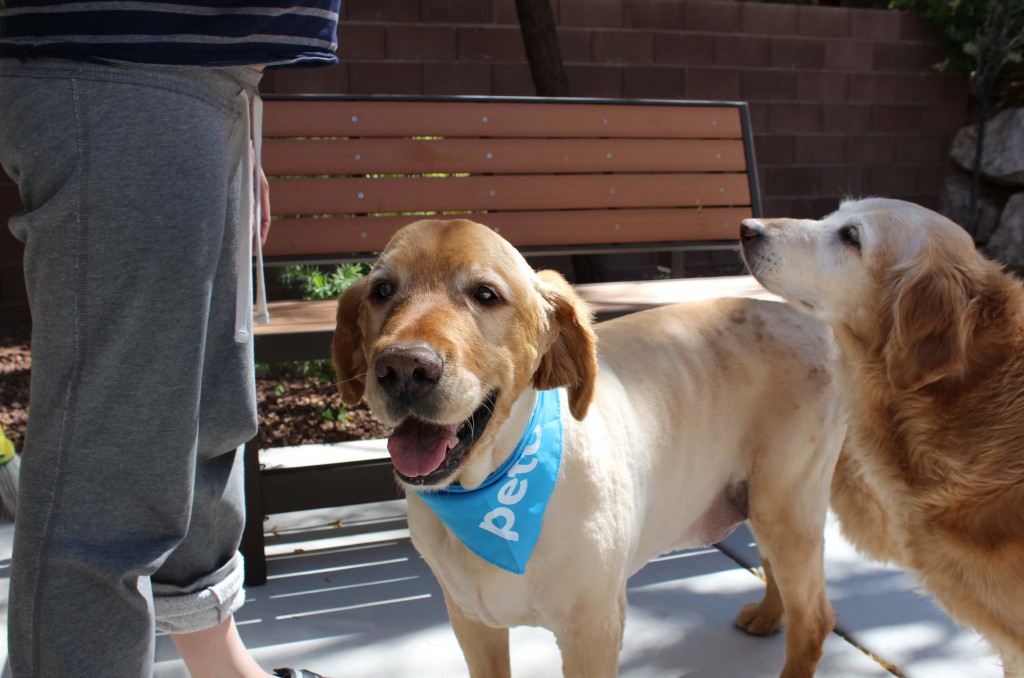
x=1003 y=161
x=1007 y=243
x=955 y=203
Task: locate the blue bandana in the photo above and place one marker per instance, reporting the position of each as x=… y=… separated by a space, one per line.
x=500 y=520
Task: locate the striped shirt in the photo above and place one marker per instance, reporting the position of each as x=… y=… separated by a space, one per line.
x=175 y=33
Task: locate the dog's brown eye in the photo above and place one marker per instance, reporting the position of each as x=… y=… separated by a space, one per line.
x=850 y=236
x=485 y=295
x=383 y=290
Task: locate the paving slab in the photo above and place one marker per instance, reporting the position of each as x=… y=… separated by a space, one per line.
x=349 y=596
x=365 y=604
x=881 y=609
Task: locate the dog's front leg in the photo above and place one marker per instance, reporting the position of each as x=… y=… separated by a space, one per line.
x=1013 y=659
x=484 y=647
x=790 y=538
x=592 y=639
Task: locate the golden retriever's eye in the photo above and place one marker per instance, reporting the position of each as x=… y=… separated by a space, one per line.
x=485 y=295
x=850 y=236
x=383 y=290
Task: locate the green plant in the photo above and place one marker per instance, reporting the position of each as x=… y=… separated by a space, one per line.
x=316 y=284
x=322 y=370
x=987 y=37
x=332 y=414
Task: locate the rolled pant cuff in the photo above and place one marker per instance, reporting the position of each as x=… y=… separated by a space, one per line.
x=204 y=608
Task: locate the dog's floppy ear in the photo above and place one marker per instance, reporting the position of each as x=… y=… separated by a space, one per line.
x=571 y=360
x=347 y=345
x=928 y=341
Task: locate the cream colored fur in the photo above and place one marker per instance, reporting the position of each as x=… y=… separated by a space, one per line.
x=679 y=423
x=931 y=339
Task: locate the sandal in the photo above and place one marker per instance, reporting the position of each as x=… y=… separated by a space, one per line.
x=296 y=673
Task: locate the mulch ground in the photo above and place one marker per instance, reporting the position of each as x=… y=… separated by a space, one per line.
x=15 y=364
x=294 y=408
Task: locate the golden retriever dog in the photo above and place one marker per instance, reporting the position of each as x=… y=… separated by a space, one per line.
x=676 y=425
x=931 y=339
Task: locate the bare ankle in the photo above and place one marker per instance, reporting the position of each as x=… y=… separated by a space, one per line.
x=217 y=652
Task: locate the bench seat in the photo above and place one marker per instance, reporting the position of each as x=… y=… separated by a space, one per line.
x=302 y=330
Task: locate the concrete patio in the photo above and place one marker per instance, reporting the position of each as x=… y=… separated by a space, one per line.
x=349 y=597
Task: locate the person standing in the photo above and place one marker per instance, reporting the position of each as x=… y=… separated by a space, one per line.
x=127 y=127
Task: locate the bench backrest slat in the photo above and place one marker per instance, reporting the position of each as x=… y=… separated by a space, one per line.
x=554 y=175
x=527 y=192
x=501 y=156
x=323 y=239
x=464 y=117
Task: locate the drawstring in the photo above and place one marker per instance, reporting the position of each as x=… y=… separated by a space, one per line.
x=250 y=213
x=262 y=314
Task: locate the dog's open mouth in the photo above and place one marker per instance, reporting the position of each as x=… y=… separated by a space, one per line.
x=425 y=453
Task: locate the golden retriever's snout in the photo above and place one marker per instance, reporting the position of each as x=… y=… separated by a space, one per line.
x=753 y=236
x=408 y=373
x=751 y=229
x=753 y=246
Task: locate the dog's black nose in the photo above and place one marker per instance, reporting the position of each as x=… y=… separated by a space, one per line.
x=408 y=371
x=751 y=229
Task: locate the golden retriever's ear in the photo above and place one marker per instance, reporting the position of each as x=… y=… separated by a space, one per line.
x=928 y=341
x=571 y=361
x=347 y=346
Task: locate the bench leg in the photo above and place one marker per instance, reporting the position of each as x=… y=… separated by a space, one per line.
x=678 y=264
x=252 y=546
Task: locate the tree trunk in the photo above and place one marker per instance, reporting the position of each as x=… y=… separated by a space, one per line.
x=540 y=37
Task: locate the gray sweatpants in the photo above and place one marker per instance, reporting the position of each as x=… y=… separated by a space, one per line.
x=131 y=501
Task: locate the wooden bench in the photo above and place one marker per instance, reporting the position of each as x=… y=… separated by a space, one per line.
x=553 y=176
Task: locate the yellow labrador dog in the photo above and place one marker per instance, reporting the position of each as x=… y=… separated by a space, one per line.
x=931 y=337
x=649 y=433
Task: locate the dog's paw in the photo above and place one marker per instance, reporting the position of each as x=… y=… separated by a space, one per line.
x=760 y=619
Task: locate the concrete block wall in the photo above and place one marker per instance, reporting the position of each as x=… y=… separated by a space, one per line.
x=844 y=101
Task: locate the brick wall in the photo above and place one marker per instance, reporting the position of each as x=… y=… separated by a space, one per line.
x=844 y=102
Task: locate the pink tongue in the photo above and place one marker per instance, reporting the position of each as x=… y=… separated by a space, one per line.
x=418 y=448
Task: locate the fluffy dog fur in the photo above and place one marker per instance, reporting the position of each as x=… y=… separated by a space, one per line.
x=686 y=421
x=931 y=339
